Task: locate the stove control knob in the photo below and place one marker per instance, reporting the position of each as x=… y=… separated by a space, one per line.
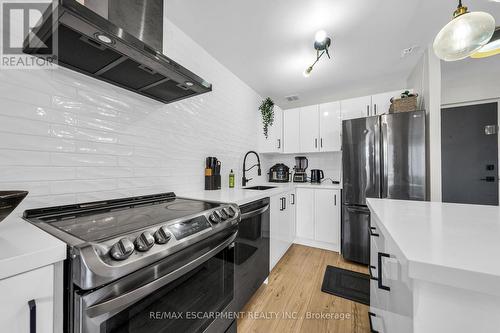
x=122 y=249
x=229 y=211
x=223 y=215
x=215 y=217
x=162 y=235
x=144 y=242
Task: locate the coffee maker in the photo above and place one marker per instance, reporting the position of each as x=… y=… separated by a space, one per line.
x=300 y=174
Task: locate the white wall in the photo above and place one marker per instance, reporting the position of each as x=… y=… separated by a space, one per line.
x=68 y=138
x=425 y=79
x=330 y=163
x=471 y=80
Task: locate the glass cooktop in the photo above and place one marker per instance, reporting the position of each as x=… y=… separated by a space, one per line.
x=109 y=220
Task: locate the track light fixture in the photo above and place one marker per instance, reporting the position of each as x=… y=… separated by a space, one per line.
x=321 y=44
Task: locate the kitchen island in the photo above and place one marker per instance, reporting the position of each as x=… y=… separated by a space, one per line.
x=434 y=267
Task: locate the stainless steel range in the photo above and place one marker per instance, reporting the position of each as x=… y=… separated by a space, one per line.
x=132 y=259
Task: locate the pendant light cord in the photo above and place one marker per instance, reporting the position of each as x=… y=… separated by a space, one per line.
x=459 y=4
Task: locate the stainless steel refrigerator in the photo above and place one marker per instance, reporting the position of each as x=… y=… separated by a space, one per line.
x=382 y=157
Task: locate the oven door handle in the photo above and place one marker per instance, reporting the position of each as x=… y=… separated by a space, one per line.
x=254 y=212
x=136 y=294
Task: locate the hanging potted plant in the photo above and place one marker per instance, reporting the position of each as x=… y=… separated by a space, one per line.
x=267 y=111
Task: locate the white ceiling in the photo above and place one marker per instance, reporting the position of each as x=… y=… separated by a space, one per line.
x=269 y=43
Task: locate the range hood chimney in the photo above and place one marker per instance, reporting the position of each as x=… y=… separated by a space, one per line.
x=117 y=41
x=140 y=18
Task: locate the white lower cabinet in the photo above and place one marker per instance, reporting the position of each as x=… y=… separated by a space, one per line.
x=318 y=218
x=282 y=225
x=25 y=297
x=391 y=289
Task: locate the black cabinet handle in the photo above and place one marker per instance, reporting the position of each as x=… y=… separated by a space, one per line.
x=321 y=142
x=284 y=203
x=335 y=199
x=380 y=282
x=370 y=273
x=293 y=199
x=281 y=204
x=279 y=143
x=370 y=315
x=316 y=143
x=32 y=307
x=373 y=233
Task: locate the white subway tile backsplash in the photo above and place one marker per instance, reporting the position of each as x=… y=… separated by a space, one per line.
x=80 y=186
x=65 y=159
x=67 y=138
x=24 y=158
x=36 y=143
x=35 y=173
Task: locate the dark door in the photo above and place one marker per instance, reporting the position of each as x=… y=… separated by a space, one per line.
x=469 y=149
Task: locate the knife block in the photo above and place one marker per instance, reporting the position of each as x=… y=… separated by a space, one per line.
x=212 y=182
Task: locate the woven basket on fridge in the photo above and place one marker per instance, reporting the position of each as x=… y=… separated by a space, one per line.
x=406 y=104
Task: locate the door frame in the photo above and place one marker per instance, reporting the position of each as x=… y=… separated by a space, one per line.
x=479 y=102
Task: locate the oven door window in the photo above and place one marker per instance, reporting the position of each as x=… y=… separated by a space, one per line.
x=187 y=304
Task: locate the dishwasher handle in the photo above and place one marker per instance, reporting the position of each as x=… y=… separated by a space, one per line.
x=255 y=212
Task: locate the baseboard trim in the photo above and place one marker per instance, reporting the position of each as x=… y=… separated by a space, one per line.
x=317 y=244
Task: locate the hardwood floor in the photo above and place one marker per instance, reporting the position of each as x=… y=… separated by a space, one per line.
x=294 y=295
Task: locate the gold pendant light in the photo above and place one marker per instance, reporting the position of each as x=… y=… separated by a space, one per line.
x=465 y=34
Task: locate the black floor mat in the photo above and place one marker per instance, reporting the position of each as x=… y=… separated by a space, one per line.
x=347 y=284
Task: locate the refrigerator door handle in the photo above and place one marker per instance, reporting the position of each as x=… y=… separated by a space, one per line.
x=358 y=210
x=383 y=159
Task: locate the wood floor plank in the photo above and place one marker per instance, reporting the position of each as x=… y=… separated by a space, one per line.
x=295 y=302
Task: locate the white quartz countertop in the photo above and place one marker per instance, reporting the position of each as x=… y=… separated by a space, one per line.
x=24 y=247
x=241 y=196
x=452 y=244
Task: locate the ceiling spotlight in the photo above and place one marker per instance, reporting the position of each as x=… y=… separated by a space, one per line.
x=308 y=71
x=490 y=49
x=464 y=35
x=320 y=36
x=321 y=44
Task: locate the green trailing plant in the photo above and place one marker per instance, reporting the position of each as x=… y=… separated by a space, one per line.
x=267 y=111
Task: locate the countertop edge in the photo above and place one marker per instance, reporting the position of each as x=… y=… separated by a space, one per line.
x=43 y=249
x=240 y=196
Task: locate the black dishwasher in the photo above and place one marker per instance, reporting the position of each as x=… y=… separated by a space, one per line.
x=251 y=251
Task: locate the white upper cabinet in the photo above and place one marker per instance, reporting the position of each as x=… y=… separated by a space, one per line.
x=356 y=107
x=274 y=141
x=318 y=128
x=330 y=127
x=291 y=130
x=309 y=129
x=382 y=102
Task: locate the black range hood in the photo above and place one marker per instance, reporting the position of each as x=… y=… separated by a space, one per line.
x=91 y=44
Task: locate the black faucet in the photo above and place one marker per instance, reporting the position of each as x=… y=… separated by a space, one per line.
x=244 y=180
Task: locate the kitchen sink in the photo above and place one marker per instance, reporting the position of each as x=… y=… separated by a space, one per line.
x=260 y=188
